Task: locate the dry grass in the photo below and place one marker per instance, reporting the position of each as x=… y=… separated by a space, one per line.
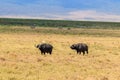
x=20 y=60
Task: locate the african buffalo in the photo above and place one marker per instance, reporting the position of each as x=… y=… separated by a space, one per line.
x=45 y=48
x=80 y=47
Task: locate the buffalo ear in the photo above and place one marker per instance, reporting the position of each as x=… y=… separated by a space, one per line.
x=36 y=46
x=76 y=46
x=72 y=46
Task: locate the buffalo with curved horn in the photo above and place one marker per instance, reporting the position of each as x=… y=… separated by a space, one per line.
x=80 y=47
x=45 y=48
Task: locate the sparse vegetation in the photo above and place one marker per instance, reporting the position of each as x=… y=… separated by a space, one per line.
x=20 y=60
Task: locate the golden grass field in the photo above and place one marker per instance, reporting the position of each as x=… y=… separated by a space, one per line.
x=20 y=60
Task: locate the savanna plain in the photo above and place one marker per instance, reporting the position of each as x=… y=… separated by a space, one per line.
x=21 y=60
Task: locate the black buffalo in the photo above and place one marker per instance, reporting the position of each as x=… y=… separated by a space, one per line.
x=80 y=47
x=45 y=48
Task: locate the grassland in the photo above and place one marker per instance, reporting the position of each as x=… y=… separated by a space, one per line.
x=20 y=60
x=60 y=23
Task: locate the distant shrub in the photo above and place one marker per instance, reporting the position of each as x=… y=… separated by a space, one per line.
x=68 y=28
x=33 y=26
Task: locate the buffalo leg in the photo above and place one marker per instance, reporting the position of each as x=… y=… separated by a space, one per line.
x=87 y=51
x=50 y=53
x=44 y=53
x=83 y=52
x=77 y=52
x=80 y=52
